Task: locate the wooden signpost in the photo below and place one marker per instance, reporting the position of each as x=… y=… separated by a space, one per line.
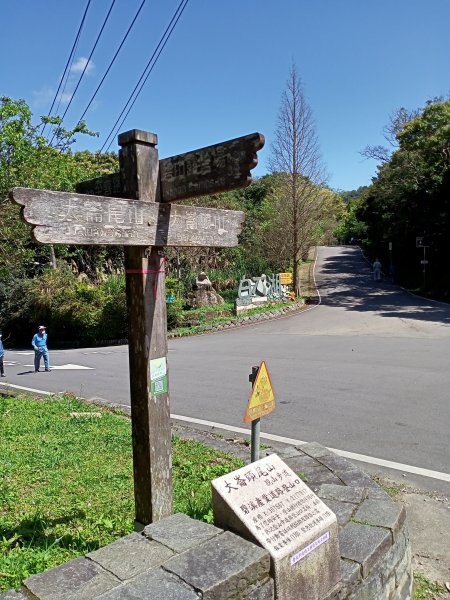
x=132 y=208
x=69 y=218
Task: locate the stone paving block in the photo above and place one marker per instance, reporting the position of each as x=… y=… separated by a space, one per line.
x=13 y=595
x=356 y=478
x=131 y=555
x=336 y=593
x=394 y=556
x=284 y=452
x=350 y=573
x=405 y=586
x=381 y=513
x=315 y=450
x=156 y=584
x=389 y=587
x=342 y=493
x=403 y=567
x=377 y=493
x=320 y=475
x=222 y=567
x=180 y=533
x=79 y=579
x=264 y=592
x=371 y=589
x=342 y=510
x=364 y=544
x=336 y=463
x=302 y=462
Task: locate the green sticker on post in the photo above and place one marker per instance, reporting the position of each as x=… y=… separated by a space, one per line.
x=158 y=376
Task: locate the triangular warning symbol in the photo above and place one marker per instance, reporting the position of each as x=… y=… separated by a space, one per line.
x=262 y=399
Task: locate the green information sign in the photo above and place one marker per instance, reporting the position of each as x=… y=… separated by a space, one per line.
x=158 y=376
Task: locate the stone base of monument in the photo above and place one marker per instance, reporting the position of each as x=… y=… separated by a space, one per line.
x=267 y=503
x=204 y=297
x=180 y=558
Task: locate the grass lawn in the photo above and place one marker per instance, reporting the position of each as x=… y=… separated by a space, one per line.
x=66 y=484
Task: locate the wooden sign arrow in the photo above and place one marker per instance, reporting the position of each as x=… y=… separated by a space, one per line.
x=219 y=168
x=70 y=218
x=210 y=170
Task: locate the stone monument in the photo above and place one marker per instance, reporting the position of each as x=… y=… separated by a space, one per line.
x=267 y=503
x=203 y=293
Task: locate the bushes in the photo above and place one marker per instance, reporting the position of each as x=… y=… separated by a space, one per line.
x=72 y=308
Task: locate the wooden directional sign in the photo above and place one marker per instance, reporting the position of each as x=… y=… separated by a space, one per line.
x=210 y=170
x=219 y=168
x=133 y=208
x=70 y=218
x=262 y=399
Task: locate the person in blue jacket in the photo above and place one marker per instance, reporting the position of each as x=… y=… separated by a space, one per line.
x=2 y=354
x=39 y=343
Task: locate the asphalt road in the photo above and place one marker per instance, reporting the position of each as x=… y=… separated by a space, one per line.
x=366 y=371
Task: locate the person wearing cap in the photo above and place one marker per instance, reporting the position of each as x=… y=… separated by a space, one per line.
x=2 y=354
x=39 y=343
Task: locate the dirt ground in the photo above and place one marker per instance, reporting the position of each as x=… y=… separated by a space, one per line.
x=428 y=517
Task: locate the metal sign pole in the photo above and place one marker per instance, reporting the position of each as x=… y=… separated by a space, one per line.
x=256 y=424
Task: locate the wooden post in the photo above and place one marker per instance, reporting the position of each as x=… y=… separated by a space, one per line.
x=126 y=208
x=147 y=337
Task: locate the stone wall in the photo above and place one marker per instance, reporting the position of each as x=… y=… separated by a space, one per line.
x=183 y=559
x=247 y=320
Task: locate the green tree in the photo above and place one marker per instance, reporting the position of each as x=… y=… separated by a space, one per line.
x=28 y=160
x=410 y=198
x=296 y=158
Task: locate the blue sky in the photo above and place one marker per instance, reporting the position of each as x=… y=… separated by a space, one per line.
x=225 y=67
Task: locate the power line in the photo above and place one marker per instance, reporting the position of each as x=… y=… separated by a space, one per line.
x=112 y=61
x=158 y=50
x=88 y=60
x=69 y=62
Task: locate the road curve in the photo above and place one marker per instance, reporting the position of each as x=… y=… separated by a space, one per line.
x=366 y=371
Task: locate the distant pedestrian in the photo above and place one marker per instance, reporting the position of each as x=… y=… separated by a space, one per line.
x=377 y=270
x=39 y=343
x=2 y=355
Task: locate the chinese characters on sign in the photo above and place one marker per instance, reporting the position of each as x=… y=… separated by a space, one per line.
x=62 y=217
x=263 y=289
x=209 y=170
x=275 y=505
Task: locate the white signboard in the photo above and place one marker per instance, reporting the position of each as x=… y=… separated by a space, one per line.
x=267 y=502
x=275 y=505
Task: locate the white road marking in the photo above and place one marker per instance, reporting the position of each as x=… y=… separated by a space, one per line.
x=352 y=455
x=70 y=367
x=65 y=367
x=292 y=441
x=25 y=353
x=10 y=363
x=27 y=389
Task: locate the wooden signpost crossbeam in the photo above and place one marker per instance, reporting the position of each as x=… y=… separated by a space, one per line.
x=210 y=170
x=132 y=208
x=68 y=218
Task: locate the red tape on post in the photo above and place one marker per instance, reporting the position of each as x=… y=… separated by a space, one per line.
x=143 y=271
x=149 y=272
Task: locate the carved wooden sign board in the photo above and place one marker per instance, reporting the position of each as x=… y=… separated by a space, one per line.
x=209 y=170
x=69 y=218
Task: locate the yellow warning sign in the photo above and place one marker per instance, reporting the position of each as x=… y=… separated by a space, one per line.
x=285 y=278
x=262 y=399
